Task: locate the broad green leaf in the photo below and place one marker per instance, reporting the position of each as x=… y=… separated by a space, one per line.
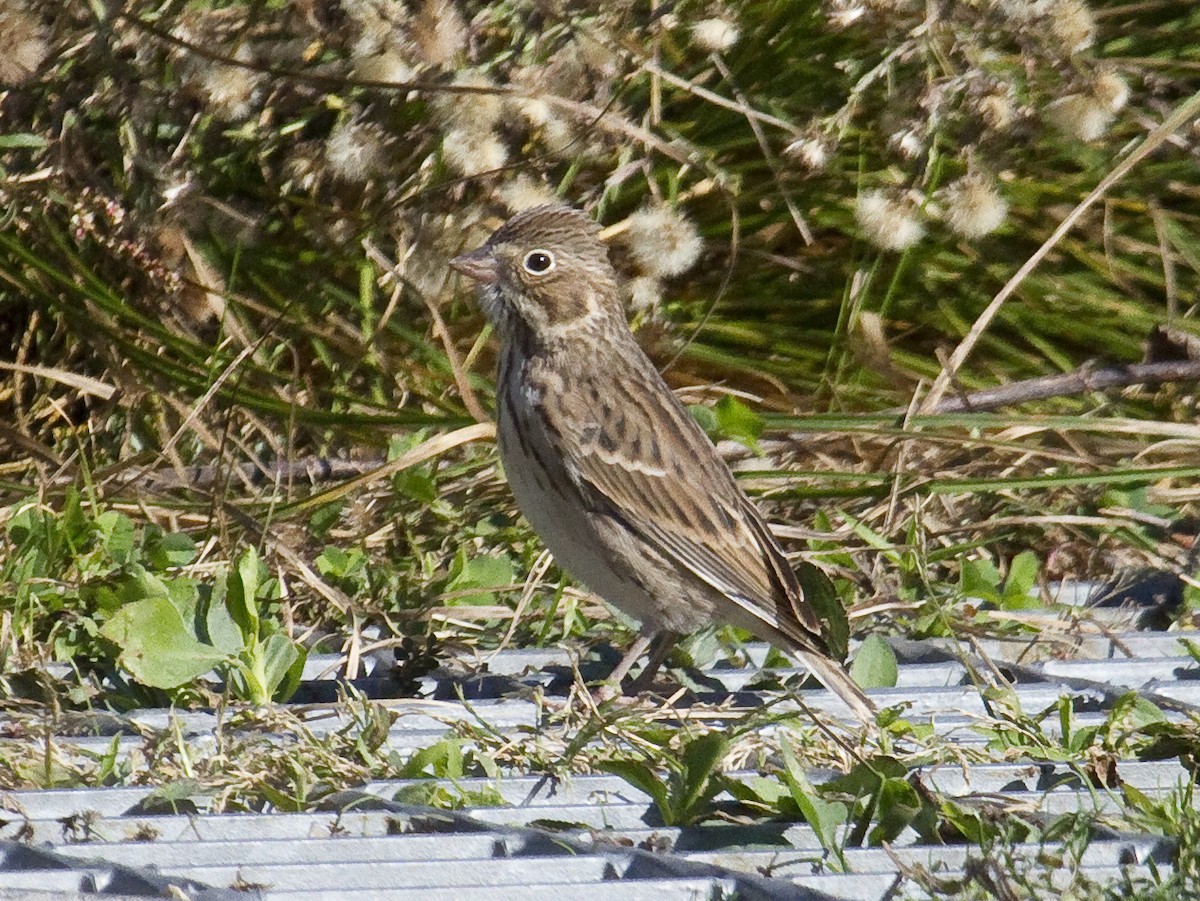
x=980 y=579
x=116 y=535
x=737 y=421
x=487 y=572
x=168 y=551
x=443 y=759
x=1022 y=579
x=875 y=664
x=642 y=777
x=825 y=817
x=705 y=417
x=820 y=594
x=897 y=806
x=242 y=594
x=700 y=757
x=156 y=646
x=280 y=655
x=222 y=631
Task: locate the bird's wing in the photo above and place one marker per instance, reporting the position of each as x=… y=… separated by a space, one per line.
x=643 y=459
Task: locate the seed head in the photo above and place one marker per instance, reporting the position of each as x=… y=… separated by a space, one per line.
x=813 y=153
x=473 y=151
x=524 y=193
x=228 y=91
x=387 y=65
x=715 y=35
x=354 y=151
x=481 y=111
x=908 y=143
x=997 y=110
x=439 y=32
x=887 y=221
x=662 y=241
x=973 y=206
x=1071 y=25
x=1111 y=90
x=645 y=293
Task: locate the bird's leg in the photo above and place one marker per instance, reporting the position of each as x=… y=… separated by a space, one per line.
x=621 y=670
x=664 y=642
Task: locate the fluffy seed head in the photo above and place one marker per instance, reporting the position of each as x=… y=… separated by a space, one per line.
x=888 y=222
x=473 y=151
x=715 y=35
x=480 y=111
x=524 y=193
x=662 y=241
x=1111 y=90
x=645 y=293
x=908 y=143
x=387 y=65
x=813 y=153
x=534 y=111
x=844 y=13
x=973 y=206
x=228 y=91
x=997 y=110
x=354 y=151
x=439 y=32
x=1081 y=116
x=1072 y=25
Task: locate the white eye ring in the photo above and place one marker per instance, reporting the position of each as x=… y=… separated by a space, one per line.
x=538 y=262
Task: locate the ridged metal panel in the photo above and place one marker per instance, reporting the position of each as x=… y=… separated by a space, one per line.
x=366 y=845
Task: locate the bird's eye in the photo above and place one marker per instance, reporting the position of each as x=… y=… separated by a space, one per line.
x=538 y=262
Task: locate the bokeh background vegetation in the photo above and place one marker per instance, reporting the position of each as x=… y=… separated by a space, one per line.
x=223 y=259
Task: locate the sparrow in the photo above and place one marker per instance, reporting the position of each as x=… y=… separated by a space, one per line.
x=611 y=470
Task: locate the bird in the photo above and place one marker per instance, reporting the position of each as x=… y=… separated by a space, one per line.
x=616 y=477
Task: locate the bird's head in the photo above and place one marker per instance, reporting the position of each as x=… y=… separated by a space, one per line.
x=544 y=272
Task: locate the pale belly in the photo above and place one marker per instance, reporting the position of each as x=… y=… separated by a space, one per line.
x=593 y=548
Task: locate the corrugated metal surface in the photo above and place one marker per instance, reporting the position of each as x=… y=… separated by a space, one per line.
x=364 y=844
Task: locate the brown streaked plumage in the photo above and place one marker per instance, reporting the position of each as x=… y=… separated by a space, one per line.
x=609 y=467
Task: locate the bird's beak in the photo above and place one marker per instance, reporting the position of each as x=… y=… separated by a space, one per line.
x=479 y=264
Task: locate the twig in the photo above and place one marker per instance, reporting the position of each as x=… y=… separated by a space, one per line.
x=1086 y=378
x=1182 y=114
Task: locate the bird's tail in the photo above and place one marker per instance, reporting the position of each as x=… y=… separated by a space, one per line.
x=836 y=679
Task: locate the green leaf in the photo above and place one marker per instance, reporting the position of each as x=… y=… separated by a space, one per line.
x=875 y=664
x=705 y=418
x=642 y=777
x=487 y=572
x=222 y=631
x=280 y=656
x=825 y=817
x=897 y=806
x=241 y=594
x=1022 y=579
x=23 y=140
x=1133 y=712
x=74 y=523
x=169 y=551
x=442 y=760
x=980 y=579
x=700 y=757
x=325 y=517
x=821 y=595
x=156 y=646
x=737 y=421
x=116 y=535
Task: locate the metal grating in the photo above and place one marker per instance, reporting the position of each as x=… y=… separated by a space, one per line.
x=365 y=844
